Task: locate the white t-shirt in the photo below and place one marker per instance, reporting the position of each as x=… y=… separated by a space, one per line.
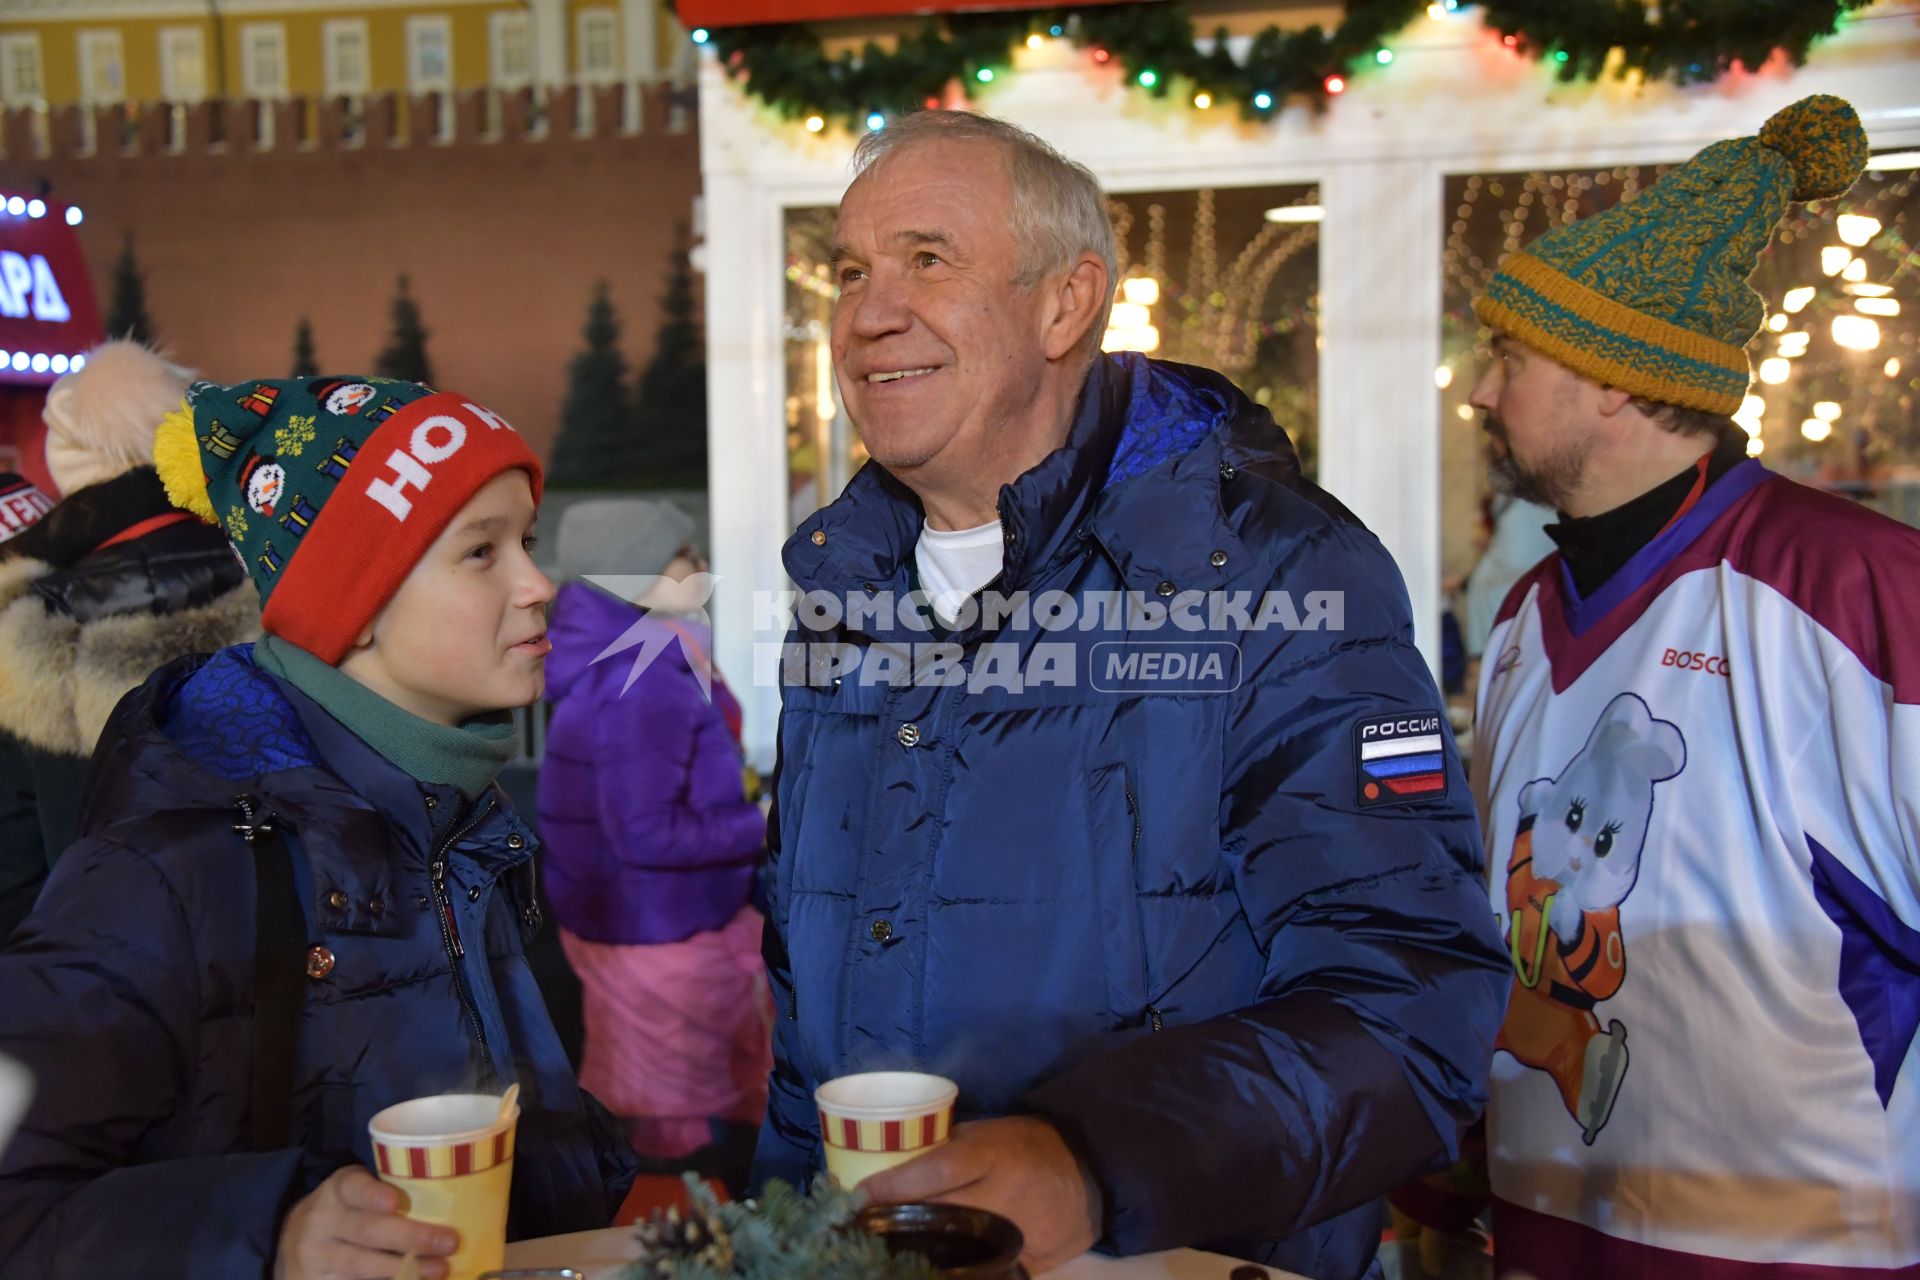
x=954 y=564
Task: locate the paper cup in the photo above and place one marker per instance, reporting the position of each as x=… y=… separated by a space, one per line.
x=453 y=1156
x=879 y=1119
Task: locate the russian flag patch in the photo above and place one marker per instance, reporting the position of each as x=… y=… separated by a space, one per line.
x=1399 y=759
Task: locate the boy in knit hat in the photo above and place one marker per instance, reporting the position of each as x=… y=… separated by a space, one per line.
x=1697 y=733
x=298 y=896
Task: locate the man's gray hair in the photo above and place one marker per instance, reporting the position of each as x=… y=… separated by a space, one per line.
x=1059 y=211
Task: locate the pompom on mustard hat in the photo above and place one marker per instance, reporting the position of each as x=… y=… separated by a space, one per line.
x=1651 y=296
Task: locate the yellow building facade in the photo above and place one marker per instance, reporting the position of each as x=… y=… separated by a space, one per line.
x=56 y=53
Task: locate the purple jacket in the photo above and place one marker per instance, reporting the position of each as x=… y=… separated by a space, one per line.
x=648 y=833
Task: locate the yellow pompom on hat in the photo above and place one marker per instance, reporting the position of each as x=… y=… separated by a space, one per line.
x=1652 y=296
x=176 y=456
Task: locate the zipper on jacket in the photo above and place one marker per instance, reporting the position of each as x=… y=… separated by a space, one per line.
x=1133 y=811
x=450 y=932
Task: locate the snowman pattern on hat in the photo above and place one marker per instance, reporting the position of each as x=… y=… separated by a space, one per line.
x=263 y=480
x=344 y=398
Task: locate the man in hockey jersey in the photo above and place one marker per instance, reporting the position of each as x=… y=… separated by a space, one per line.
x=1698 y=731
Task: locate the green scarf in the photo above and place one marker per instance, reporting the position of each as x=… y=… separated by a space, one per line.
x=468 y=757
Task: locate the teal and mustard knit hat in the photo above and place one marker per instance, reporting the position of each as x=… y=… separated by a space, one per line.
x=1652 y=296
x=331 y=489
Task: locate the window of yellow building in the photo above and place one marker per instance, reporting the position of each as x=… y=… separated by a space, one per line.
x=21 y=84
x=599 y=48
x=345 y=44
x=183 y=64
x=103 y=67
x=510 y=37
x=263 y=59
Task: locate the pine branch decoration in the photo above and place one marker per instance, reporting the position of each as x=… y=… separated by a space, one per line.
x=781 y=1236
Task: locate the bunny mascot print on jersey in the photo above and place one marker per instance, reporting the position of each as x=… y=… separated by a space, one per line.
x=1575 y=859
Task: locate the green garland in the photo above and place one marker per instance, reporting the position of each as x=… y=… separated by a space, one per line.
x=1683 y=40
x=1688 y=41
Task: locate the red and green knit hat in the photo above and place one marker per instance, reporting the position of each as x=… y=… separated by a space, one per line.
x=1652 y=296
x=331 y=489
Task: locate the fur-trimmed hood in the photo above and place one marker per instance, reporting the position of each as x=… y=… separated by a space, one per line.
x=60 y=678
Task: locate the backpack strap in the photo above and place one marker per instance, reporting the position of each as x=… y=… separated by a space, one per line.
x=279 y=967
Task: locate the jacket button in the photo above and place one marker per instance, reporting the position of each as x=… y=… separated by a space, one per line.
x=1165 y=588
x=1218 y=559
x=337 y=900
x=909 y=734
x=420 y=900
x=319 y=963
x=515 y=842
x=433 y=802
x=881 y=931
x=819 y=537
x=1226 y=471
x=473 y=894
x=376 y=906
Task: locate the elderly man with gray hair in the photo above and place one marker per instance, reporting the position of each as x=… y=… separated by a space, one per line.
x=1139 y=818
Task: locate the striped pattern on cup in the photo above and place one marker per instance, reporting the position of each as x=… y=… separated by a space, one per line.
x=886 y=1135
x=445 y=1160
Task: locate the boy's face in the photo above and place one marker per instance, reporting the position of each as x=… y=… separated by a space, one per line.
x=466 y=633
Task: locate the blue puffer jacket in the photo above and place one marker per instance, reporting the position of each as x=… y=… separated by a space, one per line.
x=1169 y=916
x=129 y=991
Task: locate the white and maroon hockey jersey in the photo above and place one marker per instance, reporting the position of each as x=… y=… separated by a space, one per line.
x=1701 y=796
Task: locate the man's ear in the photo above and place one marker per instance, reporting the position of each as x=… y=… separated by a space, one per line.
x=1079 y=298
x=1612 y=400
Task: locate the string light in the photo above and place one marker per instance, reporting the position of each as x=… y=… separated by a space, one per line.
x=701 y=35
x=1383 y=56
x=1334 y=84
x=1816 y=430
x=1856 y=333
x=984 y=75
x=1203 y=100
x=1263 y=100
x=1856 y=229
x=815 y=124
x=875 y=122
x=1101 y=55
x=1034 y=41
x=1796 y=299
x=1149 y=78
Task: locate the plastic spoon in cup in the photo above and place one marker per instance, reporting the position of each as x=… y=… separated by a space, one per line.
x=509 y=1100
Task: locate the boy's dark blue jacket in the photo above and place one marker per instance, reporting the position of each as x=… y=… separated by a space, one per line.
x=129 y=992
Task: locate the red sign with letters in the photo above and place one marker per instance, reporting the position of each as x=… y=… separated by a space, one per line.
x=48 y=314
x=747 y=13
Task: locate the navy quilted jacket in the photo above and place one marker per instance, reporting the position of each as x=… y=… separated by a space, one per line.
x=129 y=991
x=1172 y=918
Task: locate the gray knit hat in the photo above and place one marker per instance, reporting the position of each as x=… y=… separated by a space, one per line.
x=620 y=536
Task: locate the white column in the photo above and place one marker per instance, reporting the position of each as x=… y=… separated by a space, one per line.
x=1380 y=253
x=746 y=427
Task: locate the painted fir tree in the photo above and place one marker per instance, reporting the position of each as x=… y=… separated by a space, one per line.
x=127 y=315
x=304 y=363
x=405 y=356
x=670 y=403
x=596 y=445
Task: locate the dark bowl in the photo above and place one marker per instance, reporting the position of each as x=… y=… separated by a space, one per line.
x=962 y=1243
